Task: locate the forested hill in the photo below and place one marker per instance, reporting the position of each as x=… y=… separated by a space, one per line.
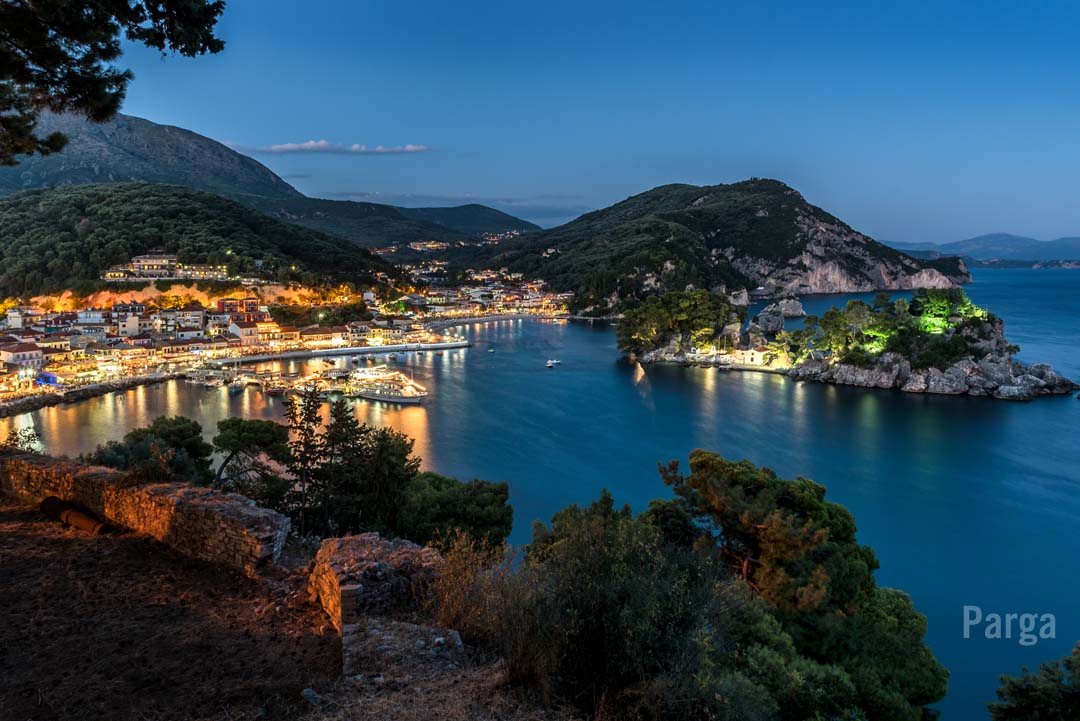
x=60 y=238
x=472 y=219
x=742 y=235
x=132 y=149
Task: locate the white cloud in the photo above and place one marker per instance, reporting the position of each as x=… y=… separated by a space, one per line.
x=328 y=148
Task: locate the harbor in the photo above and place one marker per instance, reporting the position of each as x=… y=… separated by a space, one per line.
x=362 y=382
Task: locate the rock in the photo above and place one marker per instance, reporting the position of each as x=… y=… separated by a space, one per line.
x=866 y=377
x=811 y=370
x=311 y=697
x=951 y=382
x=1012 y=393
x=791 y=308
x=1053 y=382
x=999 y=372
x=755 y=336
x=771 y=319
x=739 y=297
x=916 y=383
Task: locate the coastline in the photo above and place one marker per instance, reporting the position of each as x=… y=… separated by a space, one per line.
x=329 y=352
x=27 y=404
x=453 y=322
x=965 y=377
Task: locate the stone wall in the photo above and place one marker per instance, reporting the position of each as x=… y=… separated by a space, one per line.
x=356 y=578
x=198 y=522
x=368 y=573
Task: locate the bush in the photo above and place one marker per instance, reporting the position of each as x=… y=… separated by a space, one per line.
x=609 y=614
x=437 y=505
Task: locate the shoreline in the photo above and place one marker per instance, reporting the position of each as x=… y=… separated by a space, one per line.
x=453 y=322
x=28 y=404
x=329 y=352
x=798 y=374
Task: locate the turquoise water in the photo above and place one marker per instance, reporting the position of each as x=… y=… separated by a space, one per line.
x=967 y=501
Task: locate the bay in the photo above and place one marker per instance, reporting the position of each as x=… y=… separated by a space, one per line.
x=967 y=501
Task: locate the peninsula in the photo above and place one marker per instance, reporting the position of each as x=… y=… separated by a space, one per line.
x=939 y=342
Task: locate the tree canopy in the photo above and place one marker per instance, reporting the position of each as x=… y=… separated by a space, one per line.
x=60 y=55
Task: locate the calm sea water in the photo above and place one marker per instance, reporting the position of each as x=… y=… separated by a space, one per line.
x=967 y=501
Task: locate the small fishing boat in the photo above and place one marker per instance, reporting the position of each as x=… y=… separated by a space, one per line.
x=212 y=382
x=550 y=364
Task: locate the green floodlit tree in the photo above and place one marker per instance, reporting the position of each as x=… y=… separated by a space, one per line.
x=58 y=55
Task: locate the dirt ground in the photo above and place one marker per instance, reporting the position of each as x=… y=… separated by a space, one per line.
x=120 y=628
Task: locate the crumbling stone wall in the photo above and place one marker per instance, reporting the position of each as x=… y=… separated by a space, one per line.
x=199 y=522
x=356 y=578
x=368 y=573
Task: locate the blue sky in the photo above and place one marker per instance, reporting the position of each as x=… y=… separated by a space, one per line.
x=910 y=121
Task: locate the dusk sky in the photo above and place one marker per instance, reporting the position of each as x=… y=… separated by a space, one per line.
x=911 y=122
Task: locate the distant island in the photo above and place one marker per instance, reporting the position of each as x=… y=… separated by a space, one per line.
x=939 y=342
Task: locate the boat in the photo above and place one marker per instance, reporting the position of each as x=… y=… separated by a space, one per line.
x=277 y=389
x=238 y=385
x=391 y=356
x=438 y=352
x=402 y=391
x=212 y=382
x=328 y=362
x=356 y=359
x=491 y=350
x=550 y=364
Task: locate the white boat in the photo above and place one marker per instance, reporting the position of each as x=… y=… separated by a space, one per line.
x=550 y=364
x=391 y=356
x=213 y=382
x=380 y=384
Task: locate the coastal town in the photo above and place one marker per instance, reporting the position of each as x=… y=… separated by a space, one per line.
x=45 y=351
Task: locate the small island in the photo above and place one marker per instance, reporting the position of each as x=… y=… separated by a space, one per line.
x=938 y=342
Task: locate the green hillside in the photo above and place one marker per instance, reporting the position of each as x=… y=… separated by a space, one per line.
x=369 y=225
x=132 y=149
x=743 y=235
x=65 y=237
x=472 y=219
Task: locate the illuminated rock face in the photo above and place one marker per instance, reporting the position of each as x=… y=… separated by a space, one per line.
x=222 y=528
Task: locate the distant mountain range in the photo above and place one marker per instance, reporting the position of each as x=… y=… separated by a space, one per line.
x=1003 y=246
x=742 y=235
x=132 y=149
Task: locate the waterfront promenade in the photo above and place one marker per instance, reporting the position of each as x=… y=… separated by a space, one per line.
x=328 y=352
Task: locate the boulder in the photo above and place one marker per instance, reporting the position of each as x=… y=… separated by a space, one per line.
x=883 y=377
x=952 y=381
x=1013 y=393
x=771 y=319
x=915 y=383
x=739 y=297
x=755 y=336
x=791 y=308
